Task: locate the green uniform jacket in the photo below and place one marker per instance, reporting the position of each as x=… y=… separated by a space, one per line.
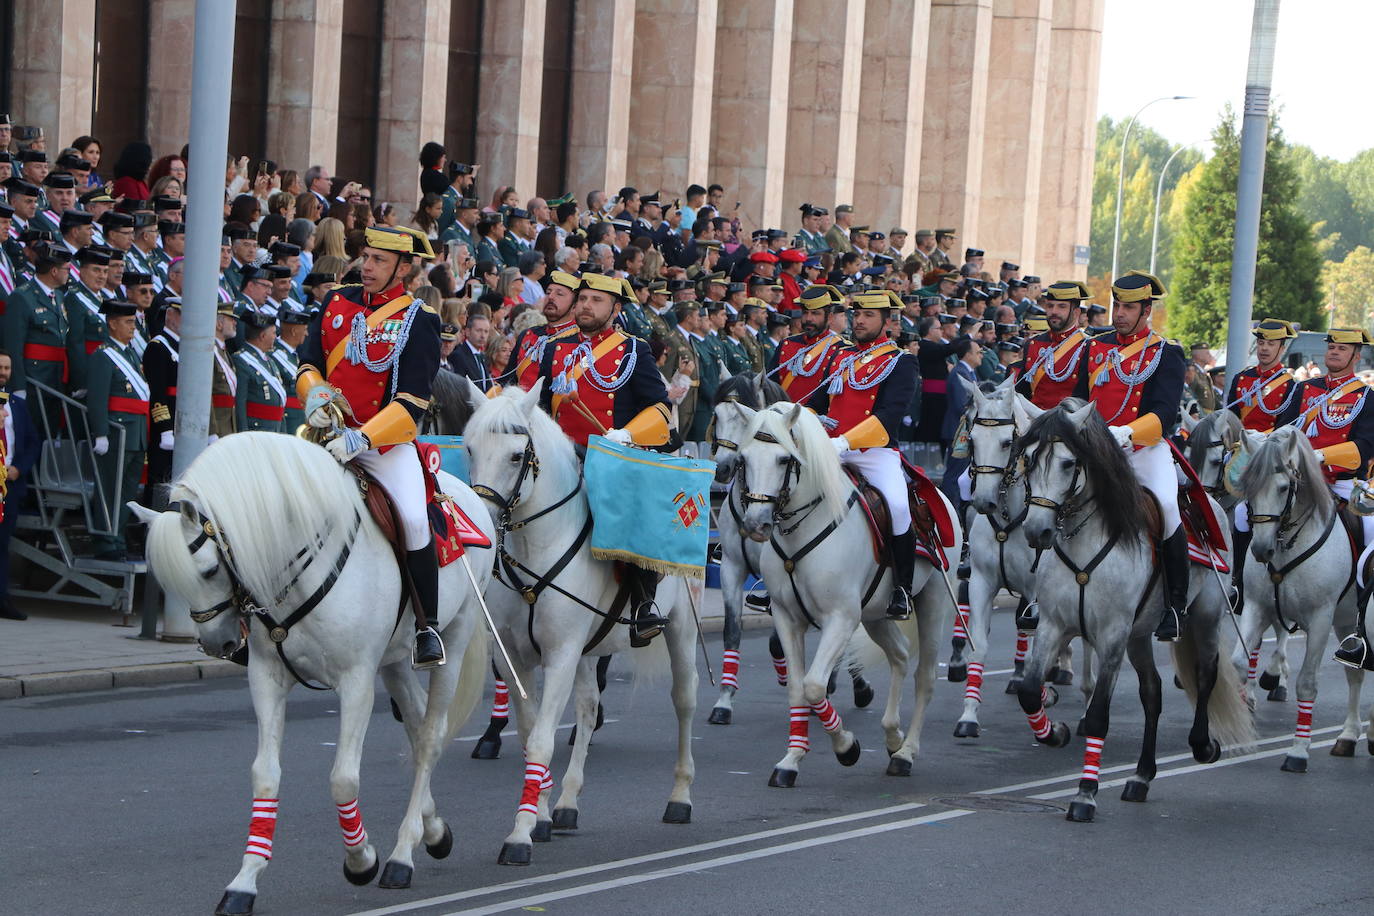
x=222 y=415
x=635 y=318
x=136 y=260
x=486 y=251
x=450 y=211
x=34 y=317
x=87 y=328
x=232 y=278
x=754 y=351
x=455 y=231
x=676 y=347
x=116 y=372
x=736 y=356
x=286 y=363
x=838 y=240
x=711 y=363
x=260 y=391
x=767 y=346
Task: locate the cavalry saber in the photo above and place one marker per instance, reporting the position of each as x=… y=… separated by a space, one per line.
x=491 y=625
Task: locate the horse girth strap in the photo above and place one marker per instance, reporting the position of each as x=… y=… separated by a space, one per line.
x=1276 y=576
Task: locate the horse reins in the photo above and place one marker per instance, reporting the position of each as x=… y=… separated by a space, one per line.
x=1002 y=533
x=1277 y=575
x=242 y=598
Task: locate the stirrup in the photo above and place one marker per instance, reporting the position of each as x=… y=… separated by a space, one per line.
x=429 y=661
x=1353 y=652
x=759 y=600
x=1171 y=625
x=1029 y=618
x=900 y=602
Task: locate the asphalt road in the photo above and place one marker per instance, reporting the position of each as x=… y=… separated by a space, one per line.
x=136 y=801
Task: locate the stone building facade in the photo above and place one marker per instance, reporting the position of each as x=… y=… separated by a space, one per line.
x=976 y=114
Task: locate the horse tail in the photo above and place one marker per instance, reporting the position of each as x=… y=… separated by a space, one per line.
x=472 y=679
x=1230 y=721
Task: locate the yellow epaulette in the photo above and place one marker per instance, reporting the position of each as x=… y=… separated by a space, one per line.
x=426 y=307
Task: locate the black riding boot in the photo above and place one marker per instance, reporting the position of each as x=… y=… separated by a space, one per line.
x=1027 y=615
x=964 y=570
x=1240 y=546
x=645 y=622
x=423 y=568
x=1174 y=556
x=1353 y=652
x=903 y=568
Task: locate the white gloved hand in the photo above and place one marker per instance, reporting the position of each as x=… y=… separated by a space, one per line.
x=101 y=445
x=620 y=437
x=316 y=400
x=841 y=444
x=348 y=446
x=1122 y=435
x=167 y=442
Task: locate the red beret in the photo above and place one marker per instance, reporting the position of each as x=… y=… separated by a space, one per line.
x=793 y=256
x=763 y=257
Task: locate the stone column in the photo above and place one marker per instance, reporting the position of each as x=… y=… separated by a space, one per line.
x=53 y=71
x=955 y=108
x=413 y=93
x=749 y=118
x=1070 y=139
x=173 y=23
x=893 y=98
x=670 y=106
x=1014 y=131
x=599 y=123
x=303 y=82
x=823 y=106
x=509 y=95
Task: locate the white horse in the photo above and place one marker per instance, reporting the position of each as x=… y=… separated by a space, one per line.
x=999 y=556
x=1212 y=441
x=1303 y=576
x=821 y=568
x=267 y=535
x=739 y=556
x=530 y=476
x=1088 y=513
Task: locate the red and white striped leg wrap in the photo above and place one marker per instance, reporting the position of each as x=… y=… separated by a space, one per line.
x=1044 y=694
x=1039 y=723
x=536 y=780
x=780 y=669
x=262 y=827
x=1254 y=663
x=830 y=719
x=1092 y=757
x=1022 y=646
x=351 y=823
x=973 y=690
x=961 y=621
x=729 y=669
x=500 y=703
x=798 y=730
x=1305 y=718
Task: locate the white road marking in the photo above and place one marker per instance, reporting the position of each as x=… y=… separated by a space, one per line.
x=826 y=839
x=512 y=732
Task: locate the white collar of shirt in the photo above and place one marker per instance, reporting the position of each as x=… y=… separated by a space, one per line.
x=44 y=287
x=964 y=363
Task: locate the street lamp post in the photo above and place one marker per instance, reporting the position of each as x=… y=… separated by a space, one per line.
x=1159 y=193
x=1121 y=176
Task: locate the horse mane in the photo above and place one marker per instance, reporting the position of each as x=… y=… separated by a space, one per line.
x=1116 y=493
x=744 y=388
x=270 y=496
x=451 y=407
x=1271 y=459
x=1218 y=426
x=505 y=415
x=806 y=440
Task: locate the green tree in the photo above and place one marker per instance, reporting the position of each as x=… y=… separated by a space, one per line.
x=1349 y=286
x=1288 y=269
x=1146 y=155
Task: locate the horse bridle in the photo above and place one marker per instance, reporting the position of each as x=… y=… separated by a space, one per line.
x=1282 y=520
x=781 y=514
x=1065 y=510
x=1005 y=472
x=1218 y=490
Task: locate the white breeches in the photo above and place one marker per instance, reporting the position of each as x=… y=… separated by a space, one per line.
x=965 y=487
x=400 y=474
x=1242 y=516
x=882 y=467
x=1345 y=490
x=1154 y=468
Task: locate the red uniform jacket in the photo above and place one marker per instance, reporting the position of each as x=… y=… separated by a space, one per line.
x=1258 y=398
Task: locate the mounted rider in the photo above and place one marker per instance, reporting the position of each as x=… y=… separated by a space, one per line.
x=1049 y=371
x=372 y=352
x=1135 y=379
x=1258 y=395
x=869 y=385
x=602 y=381
x=560 y=294
x=799 y=363
x=1332 y=412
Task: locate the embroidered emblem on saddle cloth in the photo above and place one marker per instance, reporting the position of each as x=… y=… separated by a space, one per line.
x=452 y=528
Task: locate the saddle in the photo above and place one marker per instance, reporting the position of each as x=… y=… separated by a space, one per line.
x=930 y=522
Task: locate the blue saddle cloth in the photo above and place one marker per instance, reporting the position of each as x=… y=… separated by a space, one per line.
x=649 y=509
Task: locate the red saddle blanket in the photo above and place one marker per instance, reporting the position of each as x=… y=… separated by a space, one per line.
x=1206 y=542
x=930 y=520
x=453 y=530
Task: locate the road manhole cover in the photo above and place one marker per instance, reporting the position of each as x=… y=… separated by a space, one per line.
x=1002 y=803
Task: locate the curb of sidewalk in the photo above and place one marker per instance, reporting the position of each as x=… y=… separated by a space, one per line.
x=60 y=682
